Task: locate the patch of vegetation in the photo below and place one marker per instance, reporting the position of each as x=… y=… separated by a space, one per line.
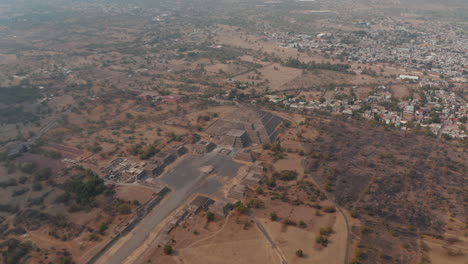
x=274 y=216
x=8 y=208
x=149 y=152
x=17 y=94
x=210 y=216
x=43 y=174
x=255 y=203
x=322 y=240
x=285 y=175
x=8 y=183
x=124 y=208
x=295 y=63
x=240 y=207
x=15 y=115
x=168 y=250
x=14 y=250
x=84 y=192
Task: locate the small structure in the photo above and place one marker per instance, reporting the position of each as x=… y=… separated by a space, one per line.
x=166 y=157
x=411 y=78
x=252 y=179
x=206 y=170
x=200 y=203
x=237 y=138
x=225 y=151
x=203 y=147
x=237 y=192
x=244 y=155
x=179 y=149
x=222 y=207
x=159 y=162
x=122 y=170
x=155 y=167
x=257 y=166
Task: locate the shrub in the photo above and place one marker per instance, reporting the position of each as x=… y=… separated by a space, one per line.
x=8 y=183
x=93 y=237
x=28 y=167
x=210 y=216
x=329 y=209
x=259 y=191
x=66 y=260
x=37 y=186
x=240 y=207
x=326 y=231
x=274 y=216
x=266 y=146
x=124 y=209
x=255 y=204
x=43 y=174
x=20 y=192
x=322 y=240
x=102 y=228
x=23 y=179
x=287 y=175
x=168 y=249
x=270 y=183
x=299 y=253
x=286 y=221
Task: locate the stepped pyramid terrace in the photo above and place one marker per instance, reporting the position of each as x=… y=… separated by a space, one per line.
x=245 y=126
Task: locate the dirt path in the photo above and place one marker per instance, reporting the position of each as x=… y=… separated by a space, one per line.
x=344 y=218
x=270 y=240
x=226 y=221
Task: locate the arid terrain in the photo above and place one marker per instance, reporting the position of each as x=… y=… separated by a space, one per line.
x=233 y=131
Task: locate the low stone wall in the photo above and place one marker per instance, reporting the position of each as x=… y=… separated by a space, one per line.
x=142 y=211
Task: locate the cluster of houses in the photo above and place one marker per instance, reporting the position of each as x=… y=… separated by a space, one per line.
x=434 y=49
x=441 y=111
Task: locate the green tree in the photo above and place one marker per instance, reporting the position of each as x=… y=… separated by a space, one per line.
x=102 y=228
x=299 y=253
x=168 y=249
x=210 y=216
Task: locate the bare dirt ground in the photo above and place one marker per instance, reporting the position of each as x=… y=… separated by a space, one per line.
x=277 y=76
x=134 y=192
x=452 y=249
x=238 y=241
x=324 y=77
x=290 y=239
x=400 y=91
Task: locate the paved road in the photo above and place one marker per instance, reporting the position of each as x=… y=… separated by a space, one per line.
x=184 y=180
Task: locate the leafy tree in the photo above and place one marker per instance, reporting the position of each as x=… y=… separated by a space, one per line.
x=299 y=253
x=240 y=207
x=210 y=216
x=322 y=240
x=102 y=228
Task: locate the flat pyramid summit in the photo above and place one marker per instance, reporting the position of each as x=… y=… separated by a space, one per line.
x=245 y=126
